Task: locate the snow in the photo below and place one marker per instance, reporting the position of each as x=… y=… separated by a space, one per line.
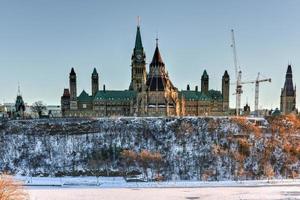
x=119 y=182
x=110 y=188
x=207 y=193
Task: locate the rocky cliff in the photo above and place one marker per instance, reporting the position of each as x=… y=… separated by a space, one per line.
x=191 y=148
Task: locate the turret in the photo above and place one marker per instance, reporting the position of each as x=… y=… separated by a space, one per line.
x=73 y=90
x=95 y=82
x=204 y=82
x=225 y=90
x=65 y=102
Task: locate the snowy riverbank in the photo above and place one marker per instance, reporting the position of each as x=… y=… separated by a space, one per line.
x=119 y=182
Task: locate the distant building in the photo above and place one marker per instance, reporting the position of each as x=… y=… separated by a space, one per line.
x=288 y=94
x=53 y=111
x=150 y=93
x=246 y=110
x=19 y=105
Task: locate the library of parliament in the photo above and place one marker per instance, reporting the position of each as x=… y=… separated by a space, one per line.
x=150 y=93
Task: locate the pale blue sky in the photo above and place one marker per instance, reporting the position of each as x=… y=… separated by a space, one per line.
x=40 y=40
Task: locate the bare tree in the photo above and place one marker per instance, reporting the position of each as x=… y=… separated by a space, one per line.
x=11 y=189
x=38 y=107
x=95 y=166
x=145 y=158
x=129 y=158
x=157 y=164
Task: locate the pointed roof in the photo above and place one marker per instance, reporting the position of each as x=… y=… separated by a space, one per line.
x=72 y=71
x=84 y=96
x=289 y=73
x=205 y=75
x=157 y=60
x=138 y=40
x=288 y=88
x=226 y=74
x=66 y=92
x=95 y=72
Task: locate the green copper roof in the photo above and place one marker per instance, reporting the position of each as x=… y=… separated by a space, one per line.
x=122 y=95
x=194 y=95
x=276 y=112
x=84 y=96
x=199 y=96
x=138 y=40
x=215 y=95
x=204 y=75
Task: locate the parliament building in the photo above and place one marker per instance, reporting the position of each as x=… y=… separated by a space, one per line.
x=150 y=93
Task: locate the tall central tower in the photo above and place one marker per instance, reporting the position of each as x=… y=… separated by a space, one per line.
x=138 y=64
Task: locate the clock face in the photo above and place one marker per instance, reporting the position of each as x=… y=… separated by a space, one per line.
x=139 y=56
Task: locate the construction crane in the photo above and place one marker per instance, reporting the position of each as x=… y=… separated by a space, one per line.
x=238 y=74
x=256 y=82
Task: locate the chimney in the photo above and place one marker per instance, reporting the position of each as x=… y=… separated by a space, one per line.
x=188 y=87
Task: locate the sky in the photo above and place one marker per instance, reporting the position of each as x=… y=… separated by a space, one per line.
x=40 y=40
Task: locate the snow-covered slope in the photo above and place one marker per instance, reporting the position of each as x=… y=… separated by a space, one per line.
x=191 y=148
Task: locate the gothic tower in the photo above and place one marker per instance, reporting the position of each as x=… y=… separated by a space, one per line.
x=95 y=82
x=225 y=90
x=204 y=82
x=73 y=90
x=162 y=96
x=288 y=94
x=138 y=64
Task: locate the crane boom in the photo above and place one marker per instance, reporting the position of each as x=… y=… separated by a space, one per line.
x=256 y=82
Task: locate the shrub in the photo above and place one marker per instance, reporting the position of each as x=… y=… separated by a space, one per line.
x=11 y=189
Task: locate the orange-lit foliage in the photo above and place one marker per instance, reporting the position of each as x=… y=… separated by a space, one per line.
x=218 y=150
x=246 y=126
x=285 y=124
x=268 y=170
x=145 y=159
x=11 y=189
x=212 y=125
x=128 y=157
x=238 y=156
x=244 y=146
x=206 y=174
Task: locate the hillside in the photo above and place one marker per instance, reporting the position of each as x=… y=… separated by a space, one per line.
x=169 y=148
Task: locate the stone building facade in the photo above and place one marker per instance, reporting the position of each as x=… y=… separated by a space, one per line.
x=288 y=94
x=150 y=93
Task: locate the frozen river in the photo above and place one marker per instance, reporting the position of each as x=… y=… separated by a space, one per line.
x=202 y=193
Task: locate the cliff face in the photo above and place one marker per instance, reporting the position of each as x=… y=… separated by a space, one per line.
x=191 y=148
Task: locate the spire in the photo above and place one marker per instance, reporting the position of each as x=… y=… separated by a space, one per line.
x=95 y=72
x=288 y=85
x=72 y=71
x=19 y=90
x=138 y=38
x=205 y=75
x=226 y=74
x=289 y=73
x=157 y=60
